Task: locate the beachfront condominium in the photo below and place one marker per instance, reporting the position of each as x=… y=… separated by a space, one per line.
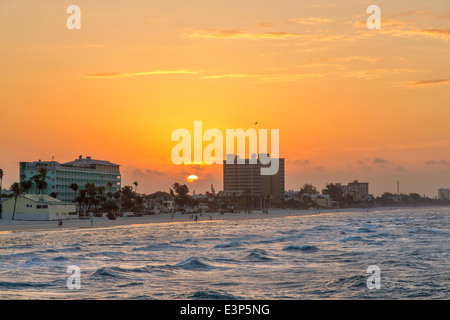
x=357 y=190
x=443 y=194
x=80 y=171
x=246 y=178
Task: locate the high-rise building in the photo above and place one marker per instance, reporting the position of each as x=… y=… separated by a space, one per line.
x=246 y=178
x=443 y=194
x=80 y=171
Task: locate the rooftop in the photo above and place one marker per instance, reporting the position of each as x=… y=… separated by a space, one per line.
x=43 y=198
x=88 y=161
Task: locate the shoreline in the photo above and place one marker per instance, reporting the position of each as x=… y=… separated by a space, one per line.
x=18 y=226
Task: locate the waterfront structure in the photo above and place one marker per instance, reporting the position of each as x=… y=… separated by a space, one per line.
x=38 y=207
x=359 y=191
x=230 y=193
x=291 y=194
x=443 y=194
x=80 y=171
x=324 y=201
x=246 y=178
x=160 y=202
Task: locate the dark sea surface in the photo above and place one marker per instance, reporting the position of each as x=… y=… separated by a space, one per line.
x=310 y=257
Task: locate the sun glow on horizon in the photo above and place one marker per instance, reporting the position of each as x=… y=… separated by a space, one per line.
x=192 y=178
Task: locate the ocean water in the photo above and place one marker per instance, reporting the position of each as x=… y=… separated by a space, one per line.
x=309 y=257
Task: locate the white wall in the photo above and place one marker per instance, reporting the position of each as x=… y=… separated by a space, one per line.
x=26 y=216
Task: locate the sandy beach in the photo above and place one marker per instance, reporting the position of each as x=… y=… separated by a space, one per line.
x=14 y=226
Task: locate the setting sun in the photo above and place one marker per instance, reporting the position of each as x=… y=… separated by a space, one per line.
x=192 y=178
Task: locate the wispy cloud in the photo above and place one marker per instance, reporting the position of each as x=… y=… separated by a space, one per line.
x=376 y=73
x=443 y=34
x=267 y=77
x=136 y=74
x=239 y=34
x=155 y=172
x=435 y=162
x=257 y=36
x=309 y=21
x=425 y=82
x=380 y=161
x=405 y=29
x=351 y=59
x=299 y=162
x=232 y=75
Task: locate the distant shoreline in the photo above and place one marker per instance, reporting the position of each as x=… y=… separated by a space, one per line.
x=17 y=226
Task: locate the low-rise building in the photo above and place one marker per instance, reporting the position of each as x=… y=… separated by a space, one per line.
x=161 y=202
x=230 y=193
x=324 y=201
x=291 y=194
x=38 y=207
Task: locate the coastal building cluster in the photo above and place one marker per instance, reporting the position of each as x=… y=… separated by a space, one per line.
x=61 y=175
x=50 y=190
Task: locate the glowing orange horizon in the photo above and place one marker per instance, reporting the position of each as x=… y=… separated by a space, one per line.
x=350 y=103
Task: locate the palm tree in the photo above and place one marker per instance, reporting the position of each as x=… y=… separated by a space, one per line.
x=128 y=197
x=135 y=186
x=116 y=196
x=26 y=185
x=15 y=188
x=100 y=197
x=82 y=200
x=109 y=184
x=39 y=179
x=91 y=190
x=101 y=190
x=74 y=188
x=36 y=180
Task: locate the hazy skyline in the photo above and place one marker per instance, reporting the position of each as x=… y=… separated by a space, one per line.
x=350 y=103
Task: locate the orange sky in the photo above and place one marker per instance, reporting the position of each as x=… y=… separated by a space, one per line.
x=350 y=103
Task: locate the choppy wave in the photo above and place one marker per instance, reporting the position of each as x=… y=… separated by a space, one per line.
x=210 y=295
x=157 y=247
x=194 y=263
x=109 y=272
x=24 y=285
x=304 y=248
x=231 y=244
x=310 y=257
x=258 y=255
x=356 y=238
